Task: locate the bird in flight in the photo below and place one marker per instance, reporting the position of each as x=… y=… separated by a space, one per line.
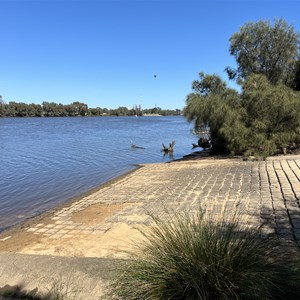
x=154 y=75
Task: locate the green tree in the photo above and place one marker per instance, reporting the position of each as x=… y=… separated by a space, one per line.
x=264 y=117
x=22 y=110
x=35 y=110
x=78 y=109
x=213 y=105
x=121 y=111
x=98 y=111
x=272 y=115
x=297 y=77
x=2 y=107
x=71 y=110
x=208 y=84
x=261 y=120
x=12 y=109
x=263 y=48
x=50 y=109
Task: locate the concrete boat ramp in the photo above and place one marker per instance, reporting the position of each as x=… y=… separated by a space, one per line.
x=78 y=245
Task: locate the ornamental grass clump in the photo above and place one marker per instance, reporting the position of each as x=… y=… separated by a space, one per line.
x=199 y=258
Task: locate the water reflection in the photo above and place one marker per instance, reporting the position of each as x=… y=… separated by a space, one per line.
x=169 y=155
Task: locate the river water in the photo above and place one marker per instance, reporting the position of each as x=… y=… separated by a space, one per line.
x=47 y=161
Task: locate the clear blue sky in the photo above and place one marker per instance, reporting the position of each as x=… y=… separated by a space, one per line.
x=105 y=53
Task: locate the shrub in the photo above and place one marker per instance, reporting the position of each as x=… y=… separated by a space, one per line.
x=201 y=258
x=262 y=120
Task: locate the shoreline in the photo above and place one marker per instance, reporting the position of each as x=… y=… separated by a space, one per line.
x=103 y=220
x=27 y=222
x=196 y=155
x=19 y=237
x=45 y=214
x=20 y=232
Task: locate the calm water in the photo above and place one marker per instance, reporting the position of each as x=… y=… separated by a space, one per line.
x=46 y=161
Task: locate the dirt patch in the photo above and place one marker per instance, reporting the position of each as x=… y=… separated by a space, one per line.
x=107 y=243
x=16 y=238
x=96 y=213
x=16 y=241
x=114 y=243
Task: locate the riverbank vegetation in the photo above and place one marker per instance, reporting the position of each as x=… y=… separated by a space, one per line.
x=263 y=118
x=75 y=109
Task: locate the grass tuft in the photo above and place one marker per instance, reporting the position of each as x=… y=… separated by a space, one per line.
x=201 y=258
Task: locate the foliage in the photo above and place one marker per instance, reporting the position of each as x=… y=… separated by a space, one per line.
x=263 y=119
x=272 y=114
x=52 y=109
x=216 y=106
x=208 y=84
x=261 y=48
x=204 y=258
x=297 y=77
x=260 y=120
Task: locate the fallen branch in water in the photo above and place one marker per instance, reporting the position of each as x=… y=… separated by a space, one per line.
x=170 y=148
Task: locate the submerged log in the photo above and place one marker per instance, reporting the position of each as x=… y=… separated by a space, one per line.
x=136 y=146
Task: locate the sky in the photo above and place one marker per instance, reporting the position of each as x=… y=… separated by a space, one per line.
x=105 y=53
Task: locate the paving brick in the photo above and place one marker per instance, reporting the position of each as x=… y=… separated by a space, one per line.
x=263 y=192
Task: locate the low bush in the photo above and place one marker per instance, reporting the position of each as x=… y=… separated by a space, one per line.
x=201 y=258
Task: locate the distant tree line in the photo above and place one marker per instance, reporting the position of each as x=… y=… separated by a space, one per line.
x=264 y=117
x=75 y=109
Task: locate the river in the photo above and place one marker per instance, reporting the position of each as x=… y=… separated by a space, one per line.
x=47 y=161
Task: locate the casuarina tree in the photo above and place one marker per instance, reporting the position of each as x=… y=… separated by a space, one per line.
x=263 y=48
x=263 y=118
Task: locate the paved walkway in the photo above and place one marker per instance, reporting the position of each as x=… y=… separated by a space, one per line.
x=264 y=192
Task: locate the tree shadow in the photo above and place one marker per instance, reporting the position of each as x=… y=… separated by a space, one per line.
x=17 y=292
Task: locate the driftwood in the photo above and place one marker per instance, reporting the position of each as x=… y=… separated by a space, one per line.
x=136 y=146
x=204 y=140
x=168 y=149
x=203 y=143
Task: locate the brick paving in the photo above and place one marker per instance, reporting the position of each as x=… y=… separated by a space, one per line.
x=263 y=192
